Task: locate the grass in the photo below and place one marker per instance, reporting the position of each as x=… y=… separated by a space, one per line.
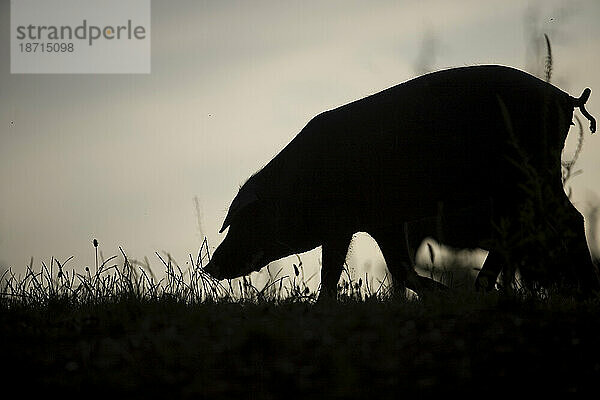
x=109 y=282
x=118 y=331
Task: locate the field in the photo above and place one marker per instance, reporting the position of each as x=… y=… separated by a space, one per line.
x=116 y=332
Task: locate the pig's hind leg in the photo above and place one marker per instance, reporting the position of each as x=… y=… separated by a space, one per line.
x=398 y=258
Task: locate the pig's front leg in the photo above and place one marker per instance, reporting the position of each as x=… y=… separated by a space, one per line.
x=334 y=256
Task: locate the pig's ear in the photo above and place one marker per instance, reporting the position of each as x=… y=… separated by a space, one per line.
x=246 y=195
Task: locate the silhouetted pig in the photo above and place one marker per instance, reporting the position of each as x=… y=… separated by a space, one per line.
x=457 y=146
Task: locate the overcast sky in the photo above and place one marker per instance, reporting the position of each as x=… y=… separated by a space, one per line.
x=121 y=158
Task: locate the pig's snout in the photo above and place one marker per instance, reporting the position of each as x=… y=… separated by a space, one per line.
x=220 y=272
x=213 y=270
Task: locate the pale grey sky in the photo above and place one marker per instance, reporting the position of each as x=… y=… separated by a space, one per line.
x=120 y=158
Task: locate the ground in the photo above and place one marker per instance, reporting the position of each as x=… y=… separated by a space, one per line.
x=344 y=349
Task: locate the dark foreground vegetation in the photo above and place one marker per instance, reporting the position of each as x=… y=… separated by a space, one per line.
x=119 y=333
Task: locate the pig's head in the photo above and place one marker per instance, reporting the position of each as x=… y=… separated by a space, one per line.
x=253 y=239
